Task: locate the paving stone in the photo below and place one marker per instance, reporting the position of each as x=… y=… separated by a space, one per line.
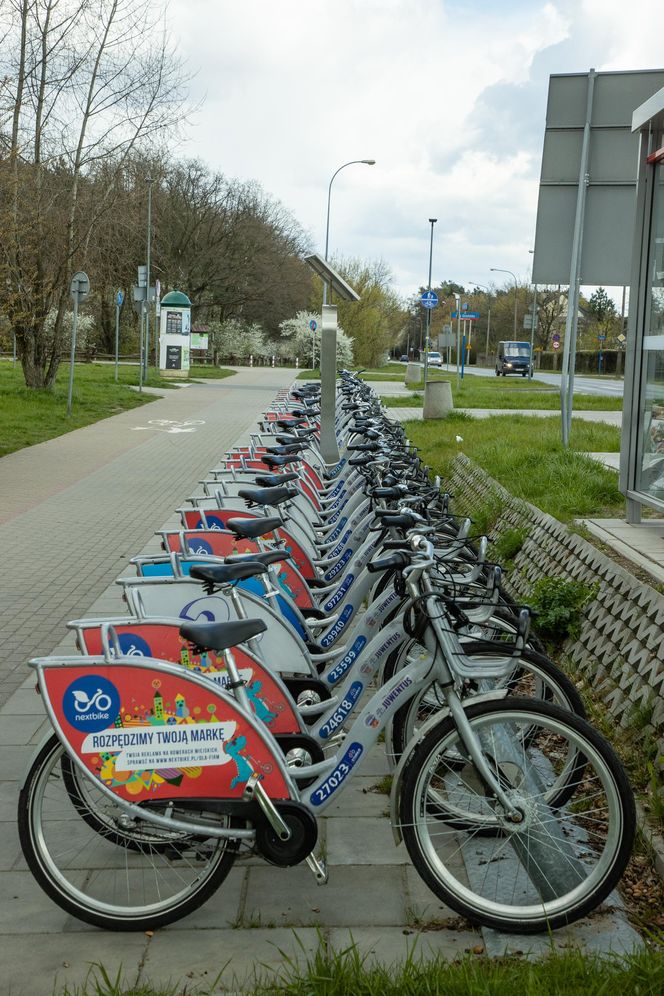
x=363 y=841
x=392 y=945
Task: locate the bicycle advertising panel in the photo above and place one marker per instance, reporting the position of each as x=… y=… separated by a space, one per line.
x=270 y=701
x=150 y=731
x=222 y=543
x=198 y=518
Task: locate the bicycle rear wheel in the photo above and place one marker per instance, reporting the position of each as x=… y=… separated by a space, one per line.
x=121 y=875
x=570 y=848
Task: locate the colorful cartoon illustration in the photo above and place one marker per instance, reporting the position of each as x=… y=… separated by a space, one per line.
x=244 y=770
x=263 y=712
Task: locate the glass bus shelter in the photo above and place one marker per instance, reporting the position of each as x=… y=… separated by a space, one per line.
x=642 y=446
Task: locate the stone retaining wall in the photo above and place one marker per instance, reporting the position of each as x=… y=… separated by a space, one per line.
x=620 y=650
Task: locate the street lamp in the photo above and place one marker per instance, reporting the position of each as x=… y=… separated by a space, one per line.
x=367 y=162
x=495 y=269
x=432 y=222
x=487 y=290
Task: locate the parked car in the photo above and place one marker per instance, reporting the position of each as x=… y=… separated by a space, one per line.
x=434 y=359
x=403 y=358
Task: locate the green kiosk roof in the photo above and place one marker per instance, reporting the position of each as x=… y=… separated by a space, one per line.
x=176 y=299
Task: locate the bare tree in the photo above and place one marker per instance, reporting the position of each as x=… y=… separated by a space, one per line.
x=84 y=83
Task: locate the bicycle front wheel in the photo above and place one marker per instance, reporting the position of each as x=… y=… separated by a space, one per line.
x=575 y=826
x=102 y=868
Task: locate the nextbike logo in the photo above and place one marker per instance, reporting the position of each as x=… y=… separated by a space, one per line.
x=91 y=703
x=338 y=568
x=340 y=669
x=339 y=593
x=133 y=645
x=338 y=627
x=199 y=547
x=339 y=715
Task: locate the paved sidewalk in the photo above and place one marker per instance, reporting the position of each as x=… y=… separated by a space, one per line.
x=75 y=510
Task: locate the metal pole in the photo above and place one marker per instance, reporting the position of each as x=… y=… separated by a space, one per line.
x=432 y=222
x=457 y=301
x=141 y=347
x=147 y=289
x=73 y=354
x=117 y=335
x=532 y=334
x=367 y=162
x=569 y=346
x=14 y=346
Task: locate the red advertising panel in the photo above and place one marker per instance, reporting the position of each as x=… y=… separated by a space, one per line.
x=271 y=703
x=147 y=733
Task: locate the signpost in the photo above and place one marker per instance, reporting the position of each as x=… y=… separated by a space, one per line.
x=313 y=325
x=429 y=299
x=78 y=291
x=119 y=301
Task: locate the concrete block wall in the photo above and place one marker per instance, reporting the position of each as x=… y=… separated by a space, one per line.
x=620 y=650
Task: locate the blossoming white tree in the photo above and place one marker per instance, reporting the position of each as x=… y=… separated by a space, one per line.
x=301 y=343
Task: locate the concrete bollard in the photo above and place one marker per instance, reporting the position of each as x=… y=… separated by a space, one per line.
x=437 y=399
x=273 y=359
x=297 y=362
x=414 y=373
x=251 y=360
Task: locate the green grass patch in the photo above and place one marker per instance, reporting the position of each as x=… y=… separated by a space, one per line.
x=391 y=371
x=204 y=371
x=29 y=416
x=349 y=973
x=526 y=456
x=487 y=392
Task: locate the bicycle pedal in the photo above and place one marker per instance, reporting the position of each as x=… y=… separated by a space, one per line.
x=319 y=867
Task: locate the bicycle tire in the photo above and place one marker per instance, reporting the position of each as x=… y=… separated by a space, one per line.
x=550 y=870
x=79 y=867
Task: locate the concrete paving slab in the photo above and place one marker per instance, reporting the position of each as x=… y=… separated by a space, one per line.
x=41 y=964
x=601 y=933
x=225 y=960
x=641 y=543
x=392 y=945
x=353 y=896
x=363 y=840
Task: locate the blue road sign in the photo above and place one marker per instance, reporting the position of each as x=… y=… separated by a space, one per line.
x=601 y=338
x=470 y=315
x=120 y=298
x=429 y=299
x=313 y=325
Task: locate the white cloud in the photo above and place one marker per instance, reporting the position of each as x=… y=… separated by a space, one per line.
x=448 y=97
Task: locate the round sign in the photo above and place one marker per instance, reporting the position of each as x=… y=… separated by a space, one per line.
x=80 y=285
x=429 y=299
x=556 y=344
x=313 y=325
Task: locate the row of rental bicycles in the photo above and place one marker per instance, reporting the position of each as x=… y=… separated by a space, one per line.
x=303 y=615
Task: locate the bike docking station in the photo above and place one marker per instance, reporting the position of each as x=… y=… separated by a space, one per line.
x=175 y=335
x=329 y=447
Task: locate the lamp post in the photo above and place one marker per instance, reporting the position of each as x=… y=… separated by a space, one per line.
x=487 y=291
x=495 y=269
x=146 y=352
x=367 y=162
x=432 y=222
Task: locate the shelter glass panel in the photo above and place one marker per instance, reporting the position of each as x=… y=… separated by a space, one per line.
x=650 y=461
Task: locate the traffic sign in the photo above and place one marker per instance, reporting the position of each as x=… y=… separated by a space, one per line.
x=429 y=299
x=470 y=316
x=313 y=325
x=80 y=286
x=119 y=298
x=556 y=343
x=556 y=336
x=601 y=338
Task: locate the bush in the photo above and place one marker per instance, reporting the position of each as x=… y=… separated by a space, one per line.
x=559 y=605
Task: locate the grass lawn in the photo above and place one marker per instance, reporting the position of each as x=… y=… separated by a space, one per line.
x=487 y=392
x=391 y=371
x=28 y=417
x=349 y=973
x=526 y=456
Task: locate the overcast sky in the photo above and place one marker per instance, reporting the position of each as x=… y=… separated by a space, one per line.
x=448 y=96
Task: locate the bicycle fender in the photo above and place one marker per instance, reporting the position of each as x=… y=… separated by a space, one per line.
x=395 y=795
x=147 y=730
